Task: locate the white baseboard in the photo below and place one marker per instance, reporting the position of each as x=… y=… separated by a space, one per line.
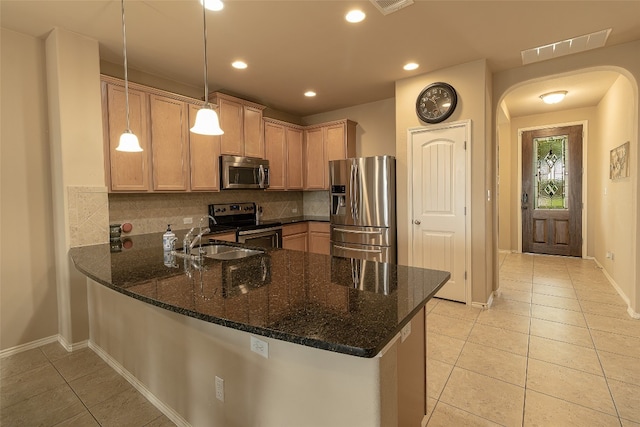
x=73 y=346
x=162 y=407
x=618 y=289
x=28 y=346
x=484 y=306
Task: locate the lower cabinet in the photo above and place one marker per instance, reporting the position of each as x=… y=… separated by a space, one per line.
x=225 y=237
x=294 y=237
x=319 y=238
x=307 y=236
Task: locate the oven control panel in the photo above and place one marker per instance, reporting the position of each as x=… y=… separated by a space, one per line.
x=233 y=209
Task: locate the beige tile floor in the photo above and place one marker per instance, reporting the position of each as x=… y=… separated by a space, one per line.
x=557 y=348
x=47 y=386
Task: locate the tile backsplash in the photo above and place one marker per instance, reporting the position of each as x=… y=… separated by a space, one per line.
x=150 y=213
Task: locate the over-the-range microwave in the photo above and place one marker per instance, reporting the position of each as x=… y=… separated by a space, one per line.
x=238 y=172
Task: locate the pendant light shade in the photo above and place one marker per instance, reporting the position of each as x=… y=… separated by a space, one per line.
x=128 y=140
x=207 y=122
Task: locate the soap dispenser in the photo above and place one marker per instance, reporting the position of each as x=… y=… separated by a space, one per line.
x=168 y=239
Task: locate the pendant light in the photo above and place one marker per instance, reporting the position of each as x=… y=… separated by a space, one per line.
x=128 y=140
x=207 y=122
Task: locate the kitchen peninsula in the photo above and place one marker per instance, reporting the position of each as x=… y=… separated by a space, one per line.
x=335 y=356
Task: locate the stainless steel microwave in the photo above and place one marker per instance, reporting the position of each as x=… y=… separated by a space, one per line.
x=243 y=172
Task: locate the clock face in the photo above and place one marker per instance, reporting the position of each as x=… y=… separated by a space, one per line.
x=436 y=102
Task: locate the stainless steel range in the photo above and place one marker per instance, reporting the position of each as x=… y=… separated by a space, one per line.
x=244 y=219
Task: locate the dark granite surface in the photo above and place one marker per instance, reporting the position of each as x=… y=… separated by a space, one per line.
x=303 y=218
x=300 y=297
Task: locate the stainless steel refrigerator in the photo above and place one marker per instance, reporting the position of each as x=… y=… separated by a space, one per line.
x=363 y=208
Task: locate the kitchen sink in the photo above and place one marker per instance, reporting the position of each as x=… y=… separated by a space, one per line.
x=224 y=252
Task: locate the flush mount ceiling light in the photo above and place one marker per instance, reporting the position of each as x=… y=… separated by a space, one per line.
x=410 y=66
x=207 y=122
x=240 y=65
x=355 y=16
x=553 y=97
x=309 y=94
x=213 y=5
x=565 y=47
x=128 y=140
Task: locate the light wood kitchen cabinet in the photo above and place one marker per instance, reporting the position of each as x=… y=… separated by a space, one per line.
x=314 y=178
x=294 y=237
x=328 y=141
x=283 y=145
x=204 y=154
x=241 y=122
x=169 y=134
x=225 y=237
x=319 y=238
x=125 y=171
x=295 y=158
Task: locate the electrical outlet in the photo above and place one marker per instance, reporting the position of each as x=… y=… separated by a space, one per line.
x=294 y=210
x=187 y=220
x=260 y=347
x=406 y=331
x=219 y=389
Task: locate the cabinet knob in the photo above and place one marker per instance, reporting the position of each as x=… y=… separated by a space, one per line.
x=416 y=222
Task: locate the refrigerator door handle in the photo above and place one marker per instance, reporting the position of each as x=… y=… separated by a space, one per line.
x=358 y=231
x=352 y=190
x=373 y=251
x=356 y=191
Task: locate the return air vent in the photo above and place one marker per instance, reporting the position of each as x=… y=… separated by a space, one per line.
x=390 y=6
x=565 y=47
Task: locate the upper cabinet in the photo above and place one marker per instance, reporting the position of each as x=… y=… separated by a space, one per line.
x=169 y=126
x=204 y=156
x=173 y=159
x=327 y=141
x=284 y=149
x=241 y=122
x=125 y=171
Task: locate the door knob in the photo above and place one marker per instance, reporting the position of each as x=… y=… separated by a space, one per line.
x=416 y=222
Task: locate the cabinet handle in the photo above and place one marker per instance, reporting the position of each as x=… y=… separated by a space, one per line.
x=416 y=222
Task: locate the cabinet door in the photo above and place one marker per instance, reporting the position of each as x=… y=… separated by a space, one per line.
x=231 y=142
x=319 y=238
x=169 y=143
x=275 y=149
x=295 y=242
x=295 y=159
x=335 y=140
x=315 y=160
x=204 y=156
x=126 y=171
x=253 y=141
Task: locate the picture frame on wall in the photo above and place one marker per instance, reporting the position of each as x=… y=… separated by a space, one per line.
x=619 y=162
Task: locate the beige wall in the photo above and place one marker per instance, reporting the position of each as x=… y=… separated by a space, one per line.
x=505 y=185
x=624 y=59
x=79 y=194
x=28 y=303
x=613 y=201
x=470 y=81
x=375 y=133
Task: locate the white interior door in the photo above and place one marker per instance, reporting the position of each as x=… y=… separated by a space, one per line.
x=438 y=194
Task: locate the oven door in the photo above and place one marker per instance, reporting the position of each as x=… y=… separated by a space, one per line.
x=265 y=237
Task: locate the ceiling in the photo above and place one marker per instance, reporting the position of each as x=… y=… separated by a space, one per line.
x=294 y=46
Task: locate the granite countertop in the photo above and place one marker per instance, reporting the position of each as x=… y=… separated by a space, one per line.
x=300 y=297
x=303 y=218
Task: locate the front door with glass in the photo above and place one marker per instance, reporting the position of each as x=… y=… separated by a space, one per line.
x=551 y=198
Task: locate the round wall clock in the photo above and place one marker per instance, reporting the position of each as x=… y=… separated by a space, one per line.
x=436 y=102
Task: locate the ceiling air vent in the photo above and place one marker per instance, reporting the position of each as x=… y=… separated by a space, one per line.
x=390 y=6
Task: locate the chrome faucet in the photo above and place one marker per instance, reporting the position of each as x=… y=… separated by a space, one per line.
x=186 y=242
x=198 y=238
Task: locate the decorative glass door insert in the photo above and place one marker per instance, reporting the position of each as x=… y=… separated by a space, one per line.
x=550 y=172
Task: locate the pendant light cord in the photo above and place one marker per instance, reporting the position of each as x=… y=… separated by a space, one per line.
x=126 y=76
x=206 y=85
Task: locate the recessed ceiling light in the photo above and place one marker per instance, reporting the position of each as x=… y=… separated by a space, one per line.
x=309 y=94
x=410 y=66
x=240 y=65
x=553 y=97
x=355 y=16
